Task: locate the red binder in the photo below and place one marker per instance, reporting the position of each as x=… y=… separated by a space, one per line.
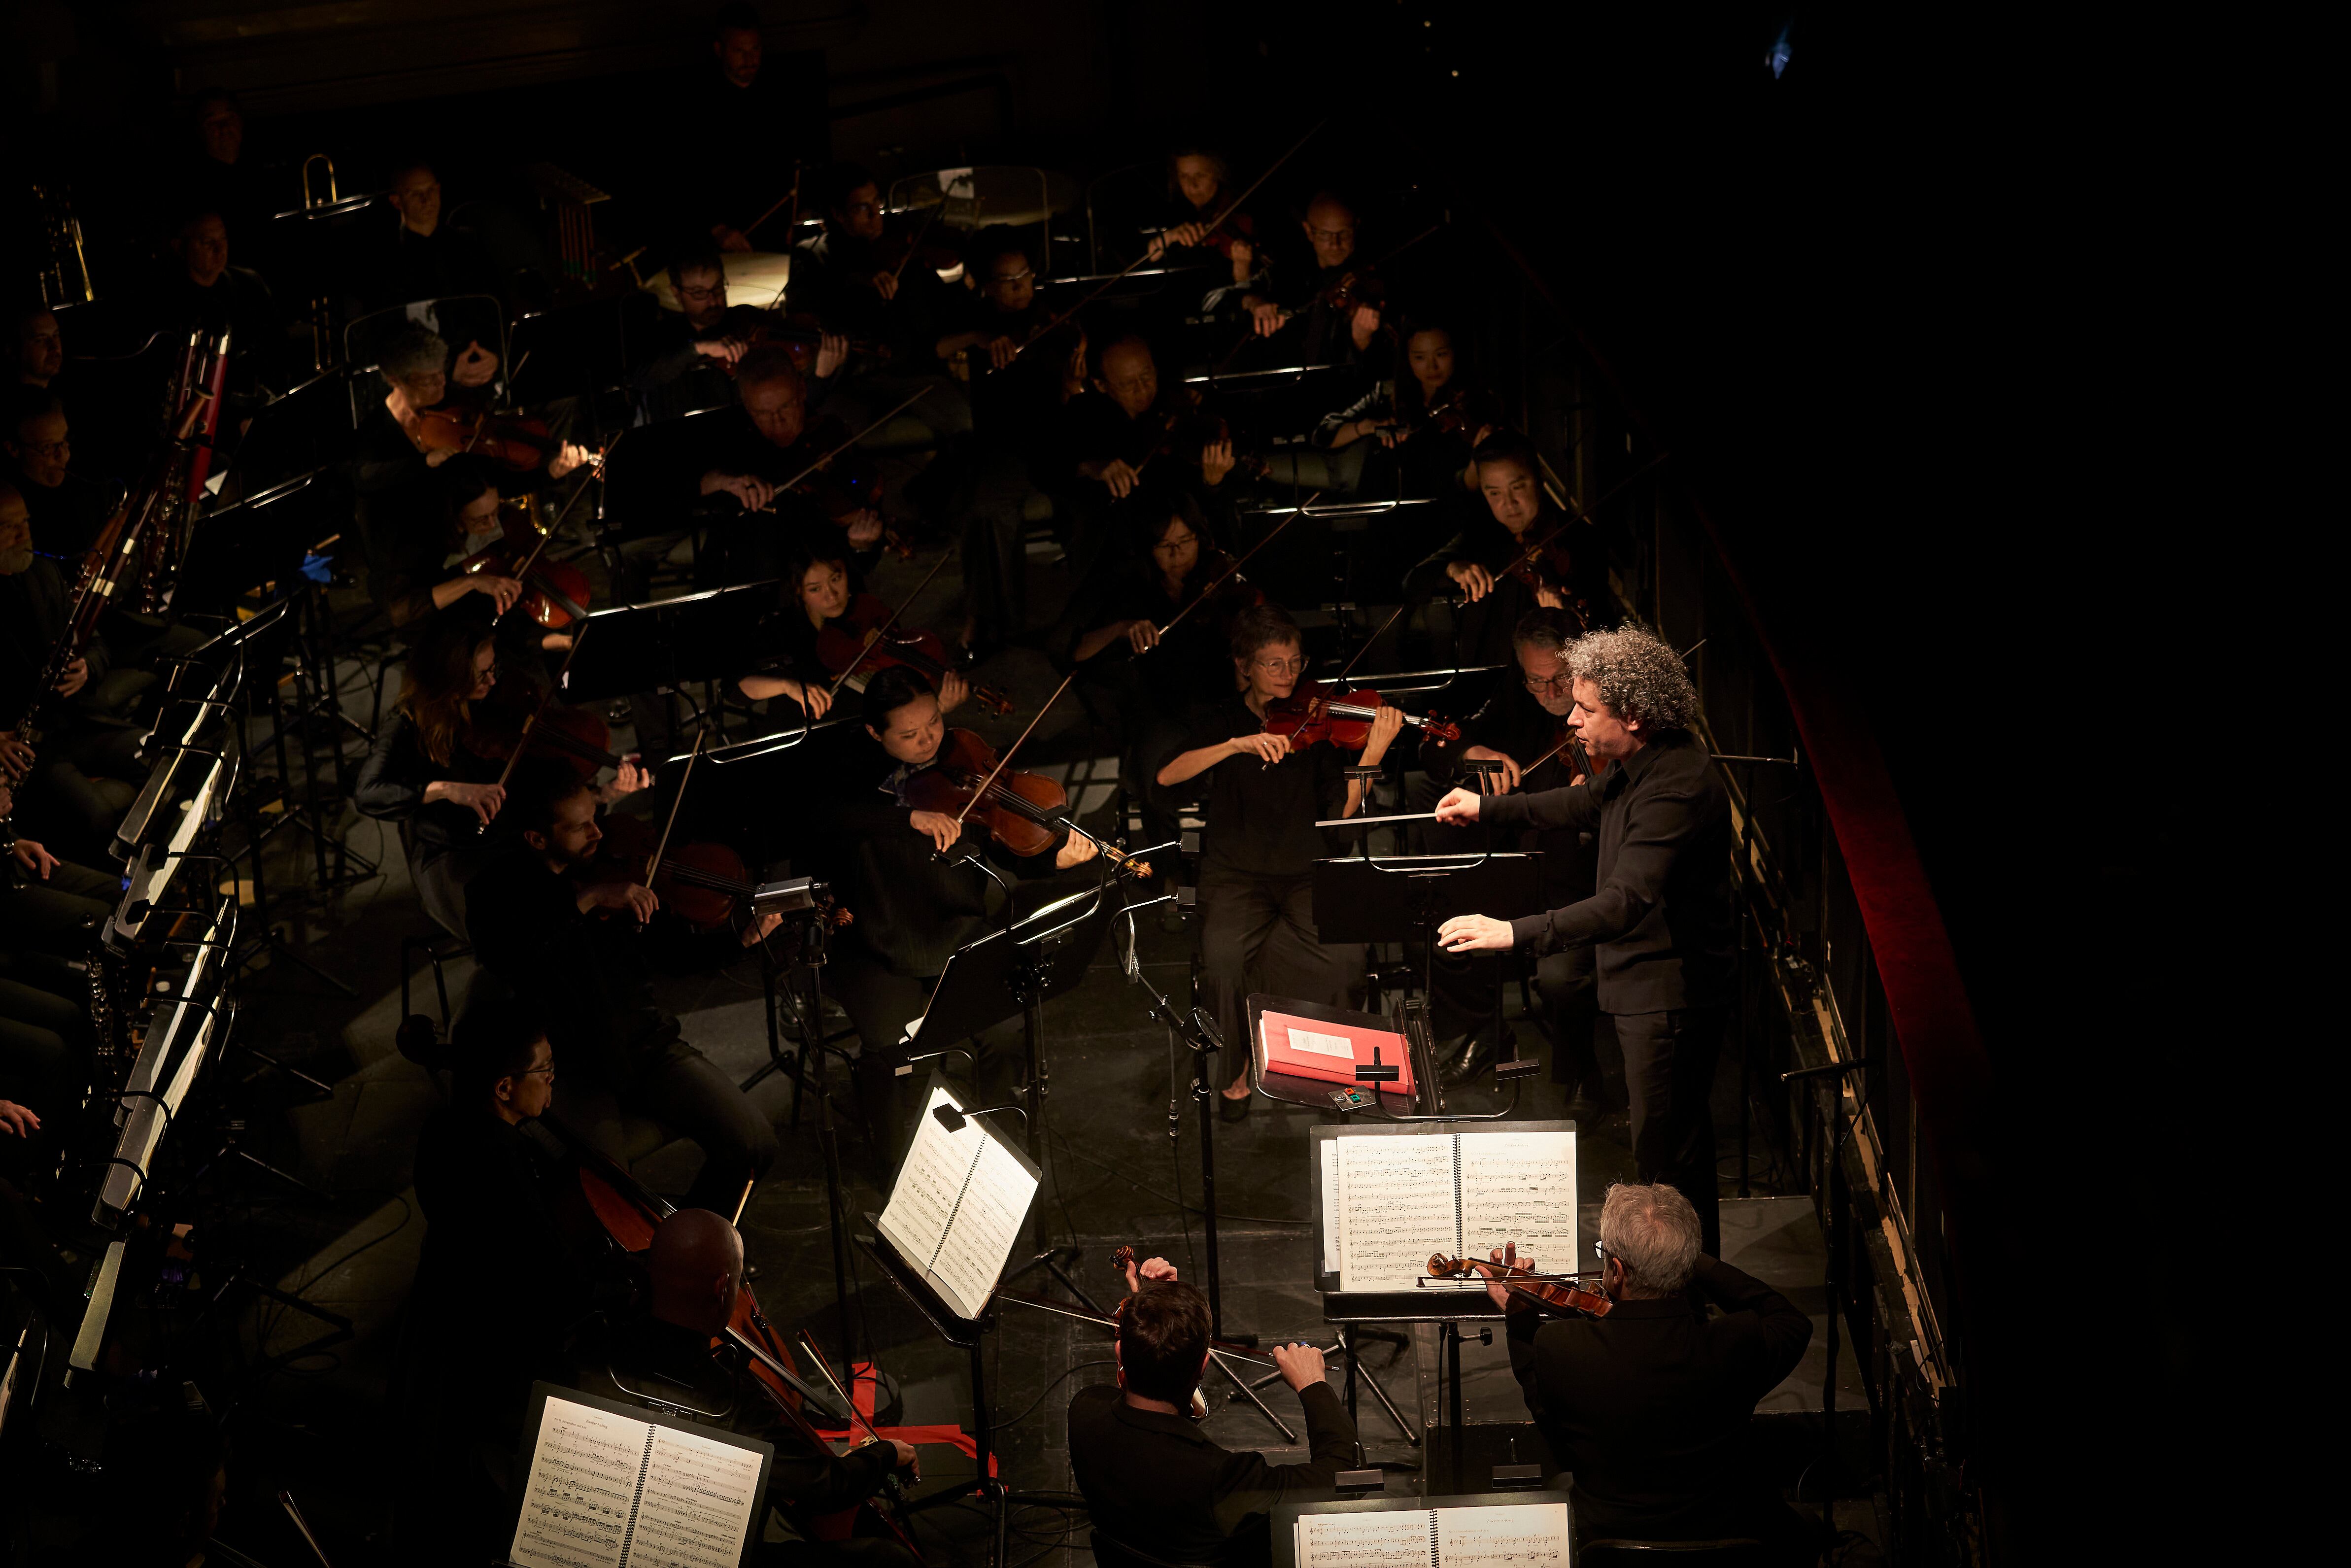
x=1312 y=1048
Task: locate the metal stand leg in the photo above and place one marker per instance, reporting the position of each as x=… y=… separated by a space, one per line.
x=1249 y=1392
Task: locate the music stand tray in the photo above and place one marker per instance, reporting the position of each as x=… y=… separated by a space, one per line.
x=675 y=642
x=988 y=982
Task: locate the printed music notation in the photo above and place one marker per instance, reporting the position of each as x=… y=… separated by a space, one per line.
x=955 y=1212
x=1389 y=1202
x=606 y=1491
x=1510 y=1535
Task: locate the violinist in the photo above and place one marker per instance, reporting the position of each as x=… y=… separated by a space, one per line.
x=1188 y=234
x=568 y=944
x=499 y=1291
x=766 y=441
x=691 y=354
x=1414 y=435
x=1128 y=430
x=1648 y=1407
x=423 y=257
x=1156 y=686
x=914 y=903
x=81 y=747
x=1477 y=561
x=435 y=410
x=818 y=593
x=1521 y=728
x=1156 y=1483
x=1660 y=918
x=411 y=546
x=1256 y=892
x=844 y=274
x=666 y=1358
x=1318 y=322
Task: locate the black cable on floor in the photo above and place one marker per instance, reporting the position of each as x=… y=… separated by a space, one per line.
x=1080 y=1366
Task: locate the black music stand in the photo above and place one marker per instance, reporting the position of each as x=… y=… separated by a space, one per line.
x=703 y=637
x=1013 y=973
x=308 y=430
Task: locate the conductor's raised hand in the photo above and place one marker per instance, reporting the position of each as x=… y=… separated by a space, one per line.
x=1458 y=806
x=1302 y=1366
x=941 y=829
x=1476 y=933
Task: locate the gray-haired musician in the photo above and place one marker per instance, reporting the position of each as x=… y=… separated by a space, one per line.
x=1660 y=915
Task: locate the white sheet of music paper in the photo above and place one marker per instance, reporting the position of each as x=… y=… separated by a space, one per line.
x=582 y=1490
x=1396 y=1206
x=696 y=1511
x=956 y=1210
x=1525 y=1535
x=1519 y=1187
x=1331 y=1216
x=1520 y=1535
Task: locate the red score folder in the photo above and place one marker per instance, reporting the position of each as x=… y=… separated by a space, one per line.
x=1313 y=1048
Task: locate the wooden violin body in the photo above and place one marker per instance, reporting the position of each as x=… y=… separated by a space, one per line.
x=496 y=726
x=555 y=592
x=1024 y=811
x=510 y=439
x=1314 y=712
x=855 y=644
x=1560 y=1295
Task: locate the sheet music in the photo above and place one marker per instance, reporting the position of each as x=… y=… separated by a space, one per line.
x=1396 y=1539
x=985 y=1226
x=695 y=1512
x=1522 y=1535
x=582 y=1488
x=1330 y=1190
x=915 y=1217
x=1519 y=1187
x=1396 y=1206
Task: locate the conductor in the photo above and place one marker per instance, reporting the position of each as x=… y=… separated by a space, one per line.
x=1660 y=915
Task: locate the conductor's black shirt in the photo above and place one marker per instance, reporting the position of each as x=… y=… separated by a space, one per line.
x=1661 y=914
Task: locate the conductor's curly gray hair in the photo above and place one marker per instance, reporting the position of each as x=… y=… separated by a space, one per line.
x=1639 y=677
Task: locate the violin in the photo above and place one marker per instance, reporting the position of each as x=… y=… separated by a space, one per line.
x=1026 y=811
x=555 y=592
x=701 y=882
x=510 y=439
x=854 y=644
x=1548 y=563
x=1560 y=1295
x=1188 y=429
x=493 y=729
x=800 y=334
x=615 y=1210
x=1123 y=1258
x=1314 y=712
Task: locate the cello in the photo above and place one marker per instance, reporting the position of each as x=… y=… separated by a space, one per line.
x=614 y=1209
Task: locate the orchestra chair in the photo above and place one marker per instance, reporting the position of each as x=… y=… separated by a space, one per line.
x=1112 y=1554
x=1740 y=1551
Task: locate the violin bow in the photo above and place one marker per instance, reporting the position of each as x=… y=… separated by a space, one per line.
x=905 y=604
x=1226 y=574
x=505 y=775
x=816 y=1357
x=1341 y=677
x=853 y=440
x=1006 y=760
x=916 y=239
x=652 y=866
x=1231 y=208
x=595 y=473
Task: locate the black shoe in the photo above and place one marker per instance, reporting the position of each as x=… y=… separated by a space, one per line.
x=1232 y=1110
x=1464 y=1063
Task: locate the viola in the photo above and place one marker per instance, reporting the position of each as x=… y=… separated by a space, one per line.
x=1026 y=811
x=555 y=592
x=1314 y=712
x=1548 y=563
x=494 y=729
x=1560 y=1295
x=800 y=334
x=855 y=644
x=1187 y=428
x=701 y=882
x=1356 y=287
x=511 y=440
x=616 y=1211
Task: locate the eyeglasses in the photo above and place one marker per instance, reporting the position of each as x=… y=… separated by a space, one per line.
x=1283 y=666
x=716 y=291
x=1170 y=547
x=48 y=448
x=548 y=1071
x=1558 y=683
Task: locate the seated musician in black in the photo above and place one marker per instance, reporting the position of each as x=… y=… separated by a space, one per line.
x=915 y=905
x=569 y=949
x=68 y=511
x=1414 y=435
x=1196 y=196
x=1153 y=1481
x=1648 y=1408
x=1517 y=515
x=1297 y=309
x=500 y=1293
x=423 y=256
x=201 y=288
x=1520 y=729
x=838 y=272
x=690 y=354
x=989 y=340
x=390 y=452
x=1153 y=686
x=85 y=769
x=818 y=584
x=667 y=1357
x=1257 y=891
x=732 y=130
x=1128 y=430
x=415 y=536
x=767 y=442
